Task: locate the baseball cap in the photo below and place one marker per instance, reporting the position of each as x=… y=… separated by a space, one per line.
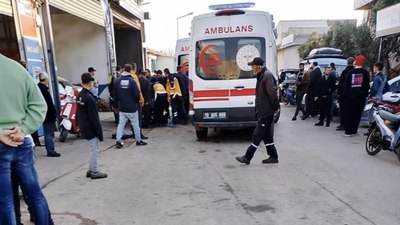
x=256 y=61
x=43 y=76
x=86 y=78
x=91 y=69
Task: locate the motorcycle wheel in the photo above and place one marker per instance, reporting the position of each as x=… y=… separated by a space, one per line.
x=63 y=134
x=373 y=144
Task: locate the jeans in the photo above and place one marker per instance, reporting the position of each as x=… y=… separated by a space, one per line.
x=94 y=154
x=28 y=179
x=134 y=119
x=48 y=129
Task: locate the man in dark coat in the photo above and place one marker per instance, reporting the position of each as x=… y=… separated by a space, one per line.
x=182 y=80
x=266 y=104
x=326 y=87
x=146 y=91
x=315 y=76
x=355 y=92
x=350 y=62
x=302 y=80
x=89 y=124
x=51 y=116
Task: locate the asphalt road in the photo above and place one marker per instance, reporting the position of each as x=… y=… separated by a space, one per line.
x=322 y=178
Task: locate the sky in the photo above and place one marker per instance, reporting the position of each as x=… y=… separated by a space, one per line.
x=161 y=29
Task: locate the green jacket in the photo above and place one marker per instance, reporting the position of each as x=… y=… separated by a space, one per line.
x=21 y=102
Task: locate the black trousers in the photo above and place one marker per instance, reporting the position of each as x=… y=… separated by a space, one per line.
x=299 y=106
x=341 y=110
x=325 y=104
x=146 y=115
x=264 y=132
x=353 y=109
x=160 y=106
x=310 y=105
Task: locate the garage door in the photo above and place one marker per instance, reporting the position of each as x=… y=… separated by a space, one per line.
x=5 y=7
x=89 y=10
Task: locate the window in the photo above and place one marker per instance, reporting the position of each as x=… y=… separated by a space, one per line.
x=227 y=58
x=183 y=58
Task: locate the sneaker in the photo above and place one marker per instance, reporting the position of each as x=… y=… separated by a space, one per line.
x=346 y=135
x=270 y=160
x=327 y=124
x=88 y=173
x=97 y=175
x=53 y=154
x=319 y=124
x=139 y=143
x=243 y=159
x=144 y=137
x=294 y=118
x=119 y=144
x=339 y=128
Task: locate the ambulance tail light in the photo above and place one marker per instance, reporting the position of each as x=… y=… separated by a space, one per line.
x=230 y=12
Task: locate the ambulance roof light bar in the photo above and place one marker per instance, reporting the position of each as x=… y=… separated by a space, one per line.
x=232 y=6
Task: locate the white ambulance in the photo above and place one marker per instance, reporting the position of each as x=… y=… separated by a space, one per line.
x=182 y=51
x=222 y=85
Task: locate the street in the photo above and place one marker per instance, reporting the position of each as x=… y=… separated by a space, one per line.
x=322 y=178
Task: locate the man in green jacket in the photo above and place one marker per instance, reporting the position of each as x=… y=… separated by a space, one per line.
x=23 y=111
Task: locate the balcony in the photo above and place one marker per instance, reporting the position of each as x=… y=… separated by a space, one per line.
x=132 y=7
x=364 y=4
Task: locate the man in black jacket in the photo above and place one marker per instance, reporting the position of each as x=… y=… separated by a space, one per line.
x=325 y=89
x=315 y=76
x=355 y=92
x=350 y=62
x=266 y=104
x=89 y=124
x=145 y=88
x=51 y=116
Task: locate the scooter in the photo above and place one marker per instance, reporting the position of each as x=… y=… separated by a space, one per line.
x=384 y=132
x=288 y=94
x=68 y=123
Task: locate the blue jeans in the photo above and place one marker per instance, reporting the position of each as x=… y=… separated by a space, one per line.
x=48 y=129
x=134 y=119
x=25 y=171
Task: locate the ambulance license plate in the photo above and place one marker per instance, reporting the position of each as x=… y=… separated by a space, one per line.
x=214 y=115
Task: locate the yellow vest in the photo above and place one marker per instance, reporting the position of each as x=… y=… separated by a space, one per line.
x=173 y=91
x=135 y=77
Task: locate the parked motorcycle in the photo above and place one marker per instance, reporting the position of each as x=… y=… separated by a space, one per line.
x=288 y=93
x=384 y=132
x=68 y=122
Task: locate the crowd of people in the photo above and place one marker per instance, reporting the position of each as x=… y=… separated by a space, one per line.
x=352 y=89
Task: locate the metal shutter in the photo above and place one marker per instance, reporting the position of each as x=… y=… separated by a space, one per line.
x=5 y=7
x=89 y=10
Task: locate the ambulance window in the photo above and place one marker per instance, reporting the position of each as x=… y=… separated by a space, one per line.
x=244 y=50
x=210 y=60
x=183 y=58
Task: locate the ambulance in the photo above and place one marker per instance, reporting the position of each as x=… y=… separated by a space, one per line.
x=222 y=85
x=182 y=51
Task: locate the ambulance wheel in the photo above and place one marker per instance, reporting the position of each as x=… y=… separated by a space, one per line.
x=63 y=134
x=201 y=133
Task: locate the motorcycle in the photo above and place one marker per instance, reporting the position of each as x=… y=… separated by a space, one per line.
x=288 y=93
x=384 y=132
x=68 y=122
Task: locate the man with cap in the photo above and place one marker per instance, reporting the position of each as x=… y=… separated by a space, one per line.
x=89 y=124
x=355 y=92
x=51 y=115
x=266 y=104
x=350 y=66
x=95 y=88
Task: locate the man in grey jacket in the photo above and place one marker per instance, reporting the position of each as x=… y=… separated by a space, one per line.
x=266 y=104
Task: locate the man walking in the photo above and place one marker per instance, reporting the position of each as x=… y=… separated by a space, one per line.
x=355 y=92
x=303 y=78
x=89 y=124
x=18 y=118
x=51 y=115
x=379 y=85
x=266 y=104
x=127 y=96
x=350 y=62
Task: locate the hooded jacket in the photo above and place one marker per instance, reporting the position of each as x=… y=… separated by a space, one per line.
x=127 y=94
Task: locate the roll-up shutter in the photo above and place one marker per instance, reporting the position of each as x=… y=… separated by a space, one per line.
x=5 y=7
x=125 y=19
x=89 y=10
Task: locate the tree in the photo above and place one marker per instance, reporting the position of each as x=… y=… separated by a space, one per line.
x=315 y=41
x=342 y=36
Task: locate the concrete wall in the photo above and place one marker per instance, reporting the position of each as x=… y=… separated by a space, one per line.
x=79 y=44
x=166 y=62
x=288 y=58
